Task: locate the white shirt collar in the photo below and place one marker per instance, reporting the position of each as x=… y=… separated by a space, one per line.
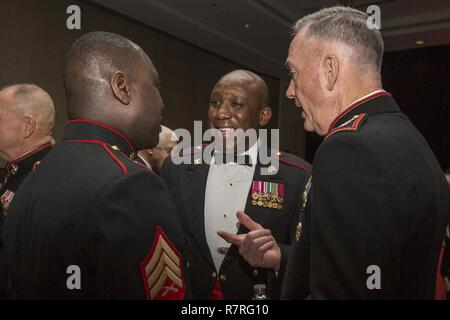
x=252 y=152
x=362 y=98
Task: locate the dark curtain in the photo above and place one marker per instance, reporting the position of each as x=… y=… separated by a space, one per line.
x=419 y=79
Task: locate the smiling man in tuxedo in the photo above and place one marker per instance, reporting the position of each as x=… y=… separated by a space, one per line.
x=208 y=196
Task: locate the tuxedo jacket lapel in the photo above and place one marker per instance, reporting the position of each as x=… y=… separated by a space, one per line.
x=193 y=185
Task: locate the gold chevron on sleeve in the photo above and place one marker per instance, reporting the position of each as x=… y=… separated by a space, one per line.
x=163 y=270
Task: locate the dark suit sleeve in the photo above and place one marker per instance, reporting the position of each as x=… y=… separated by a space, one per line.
x=354 y=223
x=165 y=172
x=275 y=281
x=445 y=268
x=122 y=230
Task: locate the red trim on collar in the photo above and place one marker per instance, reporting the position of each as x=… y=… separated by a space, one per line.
x=124 y=169
x=353 y=127
x=30 y=153
x=104 y=145
x=353 y=106
x=104 y=126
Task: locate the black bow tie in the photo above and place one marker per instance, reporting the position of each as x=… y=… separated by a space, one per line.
x=223 y=158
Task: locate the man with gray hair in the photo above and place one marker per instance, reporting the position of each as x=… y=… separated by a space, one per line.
x=154 y=158
x=374 y=223
x=27 y=117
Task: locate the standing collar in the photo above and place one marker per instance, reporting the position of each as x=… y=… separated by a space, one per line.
x=376 y=102
x=26 y=161
x=84 y=130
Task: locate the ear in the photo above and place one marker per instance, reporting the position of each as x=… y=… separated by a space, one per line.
x=331 y=71
x=30 y=126
x=121 y=87
x=264 y=116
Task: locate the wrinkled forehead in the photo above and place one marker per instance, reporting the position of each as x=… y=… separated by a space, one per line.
x=297 y=43
x=235 y=87
x=6 y=98
x=301 y=49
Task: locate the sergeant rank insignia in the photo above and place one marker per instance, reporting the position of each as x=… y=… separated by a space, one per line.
x=162 y=270
x=268 y=194
x=6 y=199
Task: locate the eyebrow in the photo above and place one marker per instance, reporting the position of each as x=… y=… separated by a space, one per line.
x=231 y=94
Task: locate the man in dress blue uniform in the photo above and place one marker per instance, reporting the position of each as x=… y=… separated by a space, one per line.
x=209 y=195
x=379 y=202
x=91 y=223
x=27 y=118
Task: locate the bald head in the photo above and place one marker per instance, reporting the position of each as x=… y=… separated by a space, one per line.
x=90 y=64
x=156 y=156
x=27 y=118
x=29 y=99
x=166 y=137
x=245 y=77
x=110 y=79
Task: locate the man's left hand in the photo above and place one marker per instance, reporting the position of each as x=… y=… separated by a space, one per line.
x=257 y=247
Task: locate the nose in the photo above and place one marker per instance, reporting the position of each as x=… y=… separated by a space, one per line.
x=290 y=92
x=224 y=111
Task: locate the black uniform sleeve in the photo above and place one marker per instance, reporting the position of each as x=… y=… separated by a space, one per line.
x=445 y=267
x=122 y=230
x=275 y=281
x=353 y=227
x=165 y=172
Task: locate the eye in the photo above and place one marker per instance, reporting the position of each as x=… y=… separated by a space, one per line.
x=292 y=73
x=236 y=104
x=215 y=103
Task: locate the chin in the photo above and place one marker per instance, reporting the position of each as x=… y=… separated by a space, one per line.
x=308 y=126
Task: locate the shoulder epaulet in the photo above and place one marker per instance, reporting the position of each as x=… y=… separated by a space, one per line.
x=189 y=151
x=294 y=161
x=352 y=125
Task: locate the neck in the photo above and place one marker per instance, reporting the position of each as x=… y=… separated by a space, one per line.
x=356 y=91
x=25 y=147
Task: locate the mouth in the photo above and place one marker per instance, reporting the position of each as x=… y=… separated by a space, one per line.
x=226 y=131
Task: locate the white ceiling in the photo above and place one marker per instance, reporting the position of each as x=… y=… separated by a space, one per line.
x=255 y=33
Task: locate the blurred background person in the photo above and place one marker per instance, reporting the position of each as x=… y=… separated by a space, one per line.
x=154 y=158
x=27 y=117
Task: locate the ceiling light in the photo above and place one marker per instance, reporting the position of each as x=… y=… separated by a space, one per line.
x=419 y=42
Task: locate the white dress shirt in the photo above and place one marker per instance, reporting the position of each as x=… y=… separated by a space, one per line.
x=226 y=193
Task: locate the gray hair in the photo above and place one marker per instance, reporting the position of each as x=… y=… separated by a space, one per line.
x=32 y=98
x=346 y=25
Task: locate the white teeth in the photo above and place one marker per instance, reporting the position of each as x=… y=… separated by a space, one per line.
x=226 y=131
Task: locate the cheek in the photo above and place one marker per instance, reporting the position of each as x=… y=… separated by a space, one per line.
x=9 y=132
x=211 y=114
